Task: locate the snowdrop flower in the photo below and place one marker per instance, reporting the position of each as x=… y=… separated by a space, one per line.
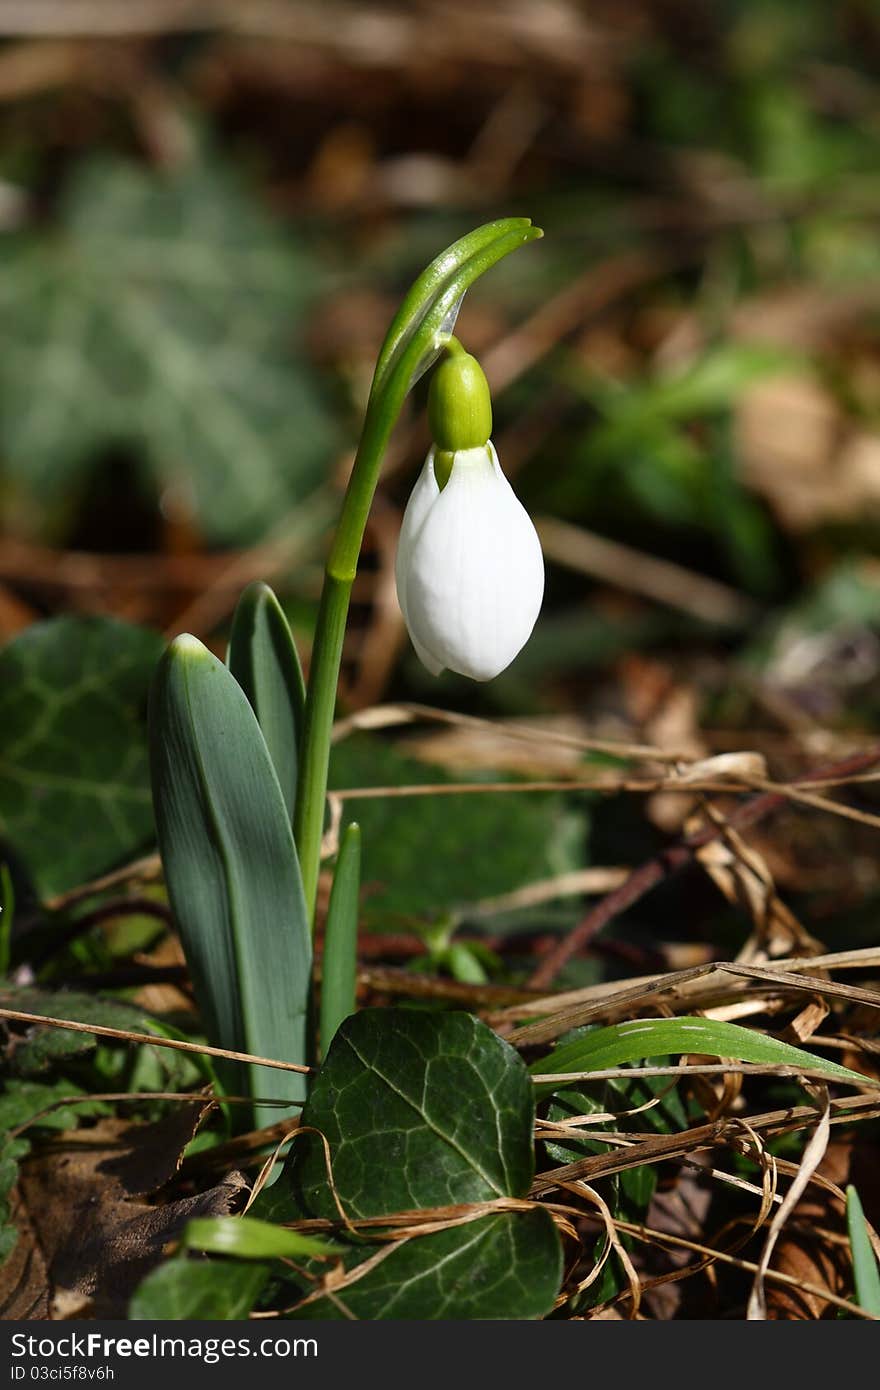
x=470 y=573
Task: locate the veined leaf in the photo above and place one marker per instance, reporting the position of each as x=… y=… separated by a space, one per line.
x=74 y=784
x=183 y=1288
x=158 y=315
x=620 y=1043
x=419 y=1110
x=424 y=1110
x=263 y=658
x=230 y=866
x=507 y=1267
x=339 y=965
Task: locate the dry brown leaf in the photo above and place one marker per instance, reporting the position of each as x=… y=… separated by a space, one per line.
x=807 y=458
x=87 y=1222
x=24 y=1288
x=809 y=1256
x=742 y=875
x=679 y=1210
x=468 y=749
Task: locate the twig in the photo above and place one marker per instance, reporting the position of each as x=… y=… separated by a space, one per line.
x=663 y=581
x=150 y=1039
x=677 y=857
x=646 y=1233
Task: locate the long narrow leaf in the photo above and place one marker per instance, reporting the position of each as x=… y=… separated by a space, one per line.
x=339 y=968
x=866 y=1271
x=230 y=866
x=657 y=1037
x=247 y=1238
x=263 y=658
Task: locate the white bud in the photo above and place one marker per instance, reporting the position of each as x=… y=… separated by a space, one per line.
x=470 y=573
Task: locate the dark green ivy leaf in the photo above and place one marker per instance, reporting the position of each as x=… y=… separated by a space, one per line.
x=424 y=1110
x=186 y=1287
x=74 y=786
x=159 y=315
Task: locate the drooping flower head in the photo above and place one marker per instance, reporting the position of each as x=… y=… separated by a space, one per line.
x=470 y=573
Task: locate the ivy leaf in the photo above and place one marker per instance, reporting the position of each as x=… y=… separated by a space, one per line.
x=505 y=1266
x=419 y=1110
x=424 y=1110
x=189 y=1288
x=74 y=786
x=42 y=1048
x=159 y=315
x=497 y=843
x=11 y=1150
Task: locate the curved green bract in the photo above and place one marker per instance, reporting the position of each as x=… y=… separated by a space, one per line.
x=231 y=869
x=263 y=658
x=621 y=1043
x=434 y=278
x=407 y=352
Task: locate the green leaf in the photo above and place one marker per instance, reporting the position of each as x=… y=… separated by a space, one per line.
x=11 y=1151
x=74 y=788
x=22 y=1104
x=263 y=658
x=497 y=843
x=629 y=1192
x=339 y=964
x=423 y=1110
x=159 y=315
x=419 y=1110
x=184 y=1288
x=506 y=1266
x=615 y=1096
x=620 y=1043
x=230 y=866
x=250 y=1239
x=42 y=1048
x=865 y=1268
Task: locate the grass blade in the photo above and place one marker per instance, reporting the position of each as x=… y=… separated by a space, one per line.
x=230 y=866
x=248 y=1238
x=657 y=1037
x=339 y=971
x=263 y=658
x=866 y=1271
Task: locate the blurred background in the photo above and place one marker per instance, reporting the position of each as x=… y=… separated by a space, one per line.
x=208 y=214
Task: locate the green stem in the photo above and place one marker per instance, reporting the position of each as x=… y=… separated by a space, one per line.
x=421 y=327
x=308 y=824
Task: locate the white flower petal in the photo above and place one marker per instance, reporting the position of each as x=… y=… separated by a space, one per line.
x=474 y=572
x=422 y=498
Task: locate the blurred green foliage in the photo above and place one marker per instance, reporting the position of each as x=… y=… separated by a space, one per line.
x=160 y=316
x=74 y=786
